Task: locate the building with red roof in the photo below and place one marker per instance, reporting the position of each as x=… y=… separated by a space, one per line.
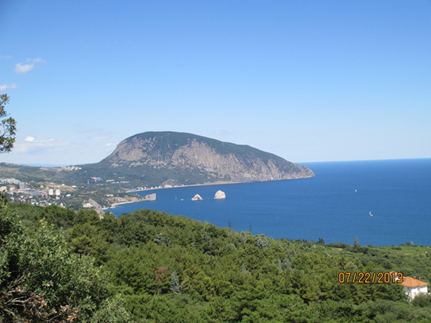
x=413 y=287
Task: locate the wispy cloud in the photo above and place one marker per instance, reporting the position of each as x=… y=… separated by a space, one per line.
x=221 y=132
x=35 y=145
x=8 y=86
x=30 y=64
x=5 y=57
x=23 y=68
x=33 y=139
x=96 y=134
x=108 y=147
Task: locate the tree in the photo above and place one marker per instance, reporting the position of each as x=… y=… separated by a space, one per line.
x=8 y=127
x=41 y=280
x=356 y=241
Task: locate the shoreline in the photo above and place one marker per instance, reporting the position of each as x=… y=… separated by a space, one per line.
x=192 y=185
x=115 y=205
x=299 y=203
x=220 y=183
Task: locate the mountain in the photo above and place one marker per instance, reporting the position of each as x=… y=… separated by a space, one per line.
x=174 y=158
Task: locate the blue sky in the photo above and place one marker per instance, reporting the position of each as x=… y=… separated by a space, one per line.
x=306 y=80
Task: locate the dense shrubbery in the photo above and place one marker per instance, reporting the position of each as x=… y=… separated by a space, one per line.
x=42 y=280
x=173 y=269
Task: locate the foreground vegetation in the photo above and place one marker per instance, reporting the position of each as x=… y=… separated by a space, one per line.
x=58 y=265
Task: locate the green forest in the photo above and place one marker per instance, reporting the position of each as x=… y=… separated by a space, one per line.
x=61 y=265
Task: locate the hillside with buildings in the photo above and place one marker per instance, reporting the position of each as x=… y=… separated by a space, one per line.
x=45 y=186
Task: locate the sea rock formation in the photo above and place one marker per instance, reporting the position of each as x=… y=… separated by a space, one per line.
x=197 y=197
x=220 y=195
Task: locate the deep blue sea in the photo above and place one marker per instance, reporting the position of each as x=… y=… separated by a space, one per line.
x=333 y=205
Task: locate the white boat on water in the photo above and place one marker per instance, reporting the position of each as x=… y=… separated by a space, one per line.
x=370 y=214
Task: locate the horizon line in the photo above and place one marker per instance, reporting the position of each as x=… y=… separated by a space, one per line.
x=301 y=162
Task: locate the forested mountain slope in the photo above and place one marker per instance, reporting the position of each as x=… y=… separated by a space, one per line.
x=174 y=269
x=176 y=158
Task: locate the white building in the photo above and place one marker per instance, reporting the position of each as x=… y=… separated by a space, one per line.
x=12 y=181
x=413 y=287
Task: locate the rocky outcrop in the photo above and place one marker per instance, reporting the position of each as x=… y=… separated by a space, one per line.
x=149 y=197
x=197 y=197
x=115 y=201
x=92 y=204
x=220 y=195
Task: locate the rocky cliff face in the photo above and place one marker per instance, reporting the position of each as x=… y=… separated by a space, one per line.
x=177 y=157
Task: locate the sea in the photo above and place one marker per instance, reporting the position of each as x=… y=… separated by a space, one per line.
x=382 y=202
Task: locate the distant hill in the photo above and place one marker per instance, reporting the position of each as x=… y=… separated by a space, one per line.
x=174 y=158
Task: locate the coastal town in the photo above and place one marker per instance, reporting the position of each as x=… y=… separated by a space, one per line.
x=18 y=191
x=95 y=195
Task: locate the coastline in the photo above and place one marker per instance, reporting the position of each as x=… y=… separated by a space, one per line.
x=327 y=206
x=219 y=183
x=115 y=205
x=192 y=185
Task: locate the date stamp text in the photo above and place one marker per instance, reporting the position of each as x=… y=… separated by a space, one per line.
x=370 y=278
